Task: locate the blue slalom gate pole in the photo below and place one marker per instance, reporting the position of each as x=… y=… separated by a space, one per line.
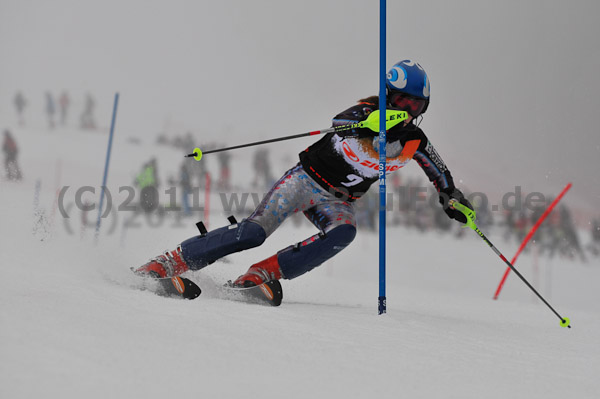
x=382 y=154
x=110 y=139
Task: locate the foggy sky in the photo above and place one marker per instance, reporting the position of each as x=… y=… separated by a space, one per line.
x=514 y=88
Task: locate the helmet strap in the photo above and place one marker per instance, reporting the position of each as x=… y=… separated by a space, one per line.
x=419 y=120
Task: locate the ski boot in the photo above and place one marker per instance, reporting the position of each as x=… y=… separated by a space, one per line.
x=259 y=273
x=168 y=264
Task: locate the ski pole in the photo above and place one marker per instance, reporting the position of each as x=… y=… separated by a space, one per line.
x=470 y=215
x=372 y=123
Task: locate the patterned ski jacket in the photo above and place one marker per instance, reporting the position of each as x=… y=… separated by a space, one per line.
x=347 y=163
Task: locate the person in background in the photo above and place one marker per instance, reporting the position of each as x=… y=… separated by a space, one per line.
x=594 y=245
x=224 y=182
x=20 y=104
x=262 y=169
x=147 y=181
x=50 y=109
x=11 y=167
x=185 y=182
x=573 y=247
x=509 y=224
x=87 y=117
x=63 y=103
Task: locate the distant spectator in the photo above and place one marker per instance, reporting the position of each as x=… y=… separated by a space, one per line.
x=148 y=183
x=50 y=109
x=87 y=117
x=185 y=181
x=20 y=104
x=570 y=234
x=162 y=139
x=596 y=231
x=485 y=219
x=11 y=167
x=262 y=169
x=543 y=234
x=395 y=183
x=63 y=103
x=509 y=224
x=521 y=227
x=550 y=235
x=594 y=245
x=225 y=172
x=366 y=212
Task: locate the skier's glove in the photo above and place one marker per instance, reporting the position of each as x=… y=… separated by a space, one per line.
x=453 y=193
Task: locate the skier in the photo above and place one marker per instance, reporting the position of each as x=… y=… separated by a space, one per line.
x=332 y=174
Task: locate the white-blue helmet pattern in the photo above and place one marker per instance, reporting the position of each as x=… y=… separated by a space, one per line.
x=408 y=77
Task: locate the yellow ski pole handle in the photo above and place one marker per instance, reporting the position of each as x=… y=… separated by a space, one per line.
x=468 y=212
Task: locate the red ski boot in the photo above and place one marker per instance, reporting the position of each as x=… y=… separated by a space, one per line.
x=259 y=273
x=168 y=264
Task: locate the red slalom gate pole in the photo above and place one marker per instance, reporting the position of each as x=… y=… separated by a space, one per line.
x=529 y=235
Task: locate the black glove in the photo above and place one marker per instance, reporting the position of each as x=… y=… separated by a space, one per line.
x=453 y=193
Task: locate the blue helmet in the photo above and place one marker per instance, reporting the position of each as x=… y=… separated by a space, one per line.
x=408 y=77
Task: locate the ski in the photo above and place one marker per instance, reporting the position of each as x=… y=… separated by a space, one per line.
x=180 y=287
x=269 y=293
x=174 y=287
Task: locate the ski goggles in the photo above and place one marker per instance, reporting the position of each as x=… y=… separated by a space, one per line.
x=414 y=106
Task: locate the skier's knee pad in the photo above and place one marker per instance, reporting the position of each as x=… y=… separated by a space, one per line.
x=296 y=260
x=201 y=251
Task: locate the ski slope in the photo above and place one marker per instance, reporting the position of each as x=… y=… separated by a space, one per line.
x=75 y=323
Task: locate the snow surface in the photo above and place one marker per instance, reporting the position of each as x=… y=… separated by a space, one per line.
x=75 y=323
